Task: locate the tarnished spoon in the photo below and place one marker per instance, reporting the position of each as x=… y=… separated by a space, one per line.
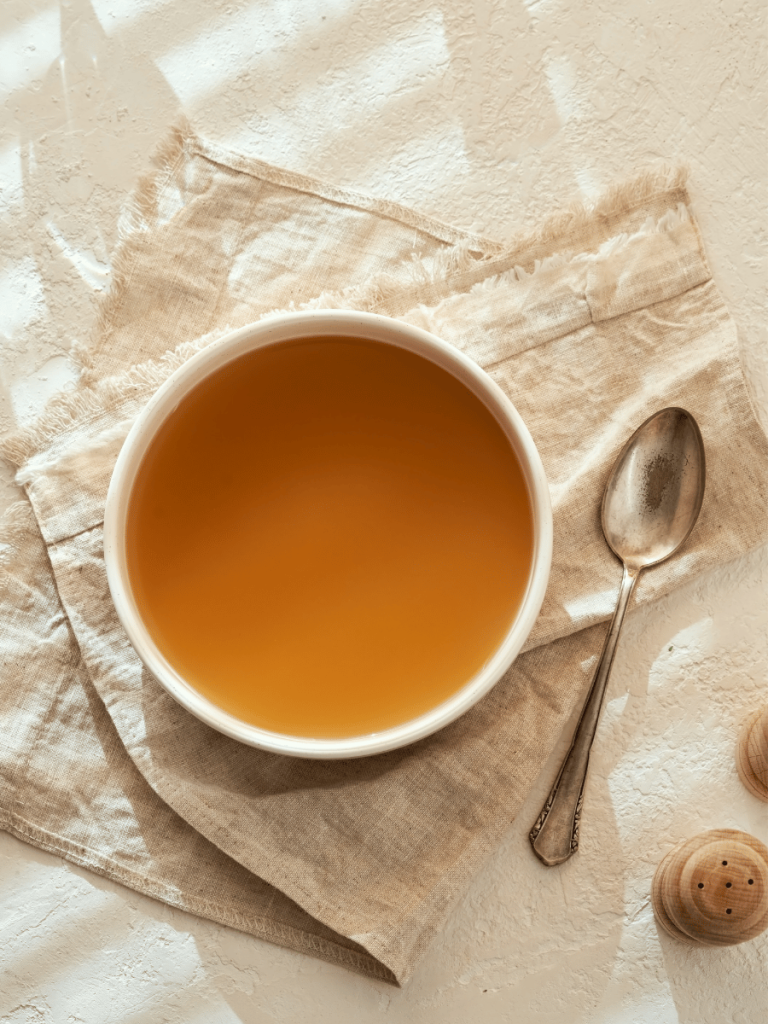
x=650 y=505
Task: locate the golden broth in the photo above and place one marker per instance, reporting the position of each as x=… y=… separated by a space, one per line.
x=328 y=537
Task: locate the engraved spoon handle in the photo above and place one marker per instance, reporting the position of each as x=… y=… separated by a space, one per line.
x=555 y=836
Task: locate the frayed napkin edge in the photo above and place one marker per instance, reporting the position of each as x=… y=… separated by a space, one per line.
x=471 y=260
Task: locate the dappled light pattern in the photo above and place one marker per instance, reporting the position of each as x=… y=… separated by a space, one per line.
x=486 y=114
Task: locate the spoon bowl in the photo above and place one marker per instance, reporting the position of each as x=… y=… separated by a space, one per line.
x=650 y=505
x=654 y=494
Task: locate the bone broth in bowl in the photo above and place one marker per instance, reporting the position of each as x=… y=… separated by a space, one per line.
x=328 y=534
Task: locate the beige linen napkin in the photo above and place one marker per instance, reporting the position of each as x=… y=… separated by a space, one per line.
x=590 y=324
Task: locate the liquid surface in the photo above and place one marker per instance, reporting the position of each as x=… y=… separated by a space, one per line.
x=329 y=537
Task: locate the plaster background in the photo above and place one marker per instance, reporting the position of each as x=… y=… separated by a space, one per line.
x=487 y=114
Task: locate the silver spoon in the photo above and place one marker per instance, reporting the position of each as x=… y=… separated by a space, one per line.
x=650 y=505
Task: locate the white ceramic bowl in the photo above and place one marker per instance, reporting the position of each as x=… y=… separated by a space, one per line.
x=269 y=332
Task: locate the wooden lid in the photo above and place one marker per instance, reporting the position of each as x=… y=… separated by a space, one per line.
x=712 y=890
x=752 y=753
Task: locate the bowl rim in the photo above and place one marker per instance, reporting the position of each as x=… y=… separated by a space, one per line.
x=274 y=330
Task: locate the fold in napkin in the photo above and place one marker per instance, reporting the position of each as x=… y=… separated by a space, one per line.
x=590 y=323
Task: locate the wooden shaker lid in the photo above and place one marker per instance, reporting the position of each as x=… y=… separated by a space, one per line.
x=712 y=890
x=752 y=753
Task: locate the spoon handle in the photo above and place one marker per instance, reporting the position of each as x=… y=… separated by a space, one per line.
x=555 y=836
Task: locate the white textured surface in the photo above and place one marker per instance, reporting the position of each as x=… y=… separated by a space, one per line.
x=484 y=113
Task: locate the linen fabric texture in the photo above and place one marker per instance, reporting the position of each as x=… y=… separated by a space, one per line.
x=590 y=323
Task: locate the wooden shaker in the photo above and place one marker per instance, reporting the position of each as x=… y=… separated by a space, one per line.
x=752 y=753
x=712 y=890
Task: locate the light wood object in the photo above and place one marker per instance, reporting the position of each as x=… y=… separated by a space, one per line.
x=712 y=890
x=752 y=753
